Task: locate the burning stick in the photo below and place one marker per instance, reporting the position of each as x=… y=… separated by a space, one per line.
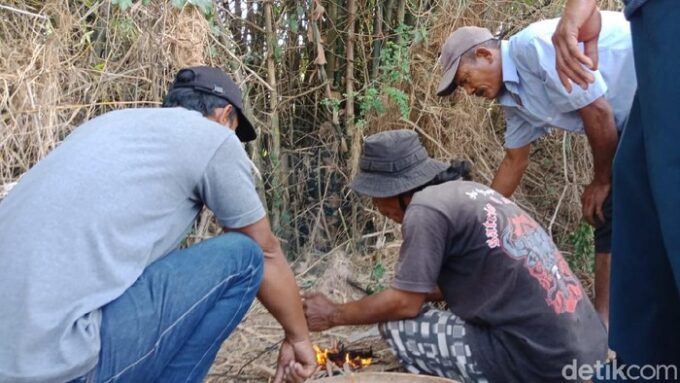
x=343 y=358
x=346 y=366
x=329 y=368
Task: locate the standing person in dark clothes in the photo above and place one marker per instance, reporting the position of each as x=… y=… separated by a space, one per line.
x=645 y=281
x=517 y=312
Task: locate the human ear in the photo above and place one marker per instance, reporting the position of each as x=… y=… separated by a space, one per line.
x=484 y=53
x=222 y=115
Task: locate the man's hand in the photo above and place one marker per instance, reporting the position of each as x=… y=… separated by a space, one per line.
x=592 y=200
x=319 y=311
x=297 y=362
x=580 y=22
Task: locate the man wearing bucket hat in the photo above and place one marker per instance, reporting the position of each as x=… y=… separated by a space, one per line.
x=99 y=289
x=516 y=311
x=520 y=75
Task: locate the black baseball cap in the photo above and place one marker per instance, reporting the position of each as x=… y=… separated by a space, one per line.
x=214 y=81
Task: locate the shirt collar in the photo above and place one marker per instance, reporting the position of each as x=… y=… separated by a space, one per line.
x=508 y=64
x=510 y=96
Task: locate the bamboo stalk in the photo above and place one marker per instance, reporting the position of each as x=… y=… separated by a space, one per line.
x=377 y=41
x=332 y=40
x=278 y=162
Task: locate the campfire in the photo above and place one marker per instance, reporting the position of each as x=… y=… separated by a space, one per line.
x=343 y=358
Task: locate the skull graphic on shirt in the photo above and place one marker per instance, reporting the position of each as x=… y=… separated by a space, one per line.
x=524 y=239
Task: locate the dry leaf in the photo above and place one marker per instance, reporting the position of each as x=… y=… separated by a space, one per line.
x=320 y=55
x=318 y=11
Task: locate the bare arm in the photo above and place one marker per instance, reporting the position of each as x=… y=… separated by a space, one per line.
x=435 y=296
x=388 y=305
x=278 y=292
x=600 y=127
x=511 y=170
x=280 y=295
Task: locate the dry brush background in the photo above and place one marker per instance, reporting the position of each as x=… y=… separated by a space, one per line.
x=319 y=76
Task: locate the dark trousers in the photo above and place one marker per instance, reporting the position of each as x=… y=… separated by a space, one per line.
x=645 y=271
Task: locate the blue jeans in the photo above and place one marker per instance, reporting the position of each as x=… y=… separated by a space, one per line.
x=645 y=271
x=169 y=325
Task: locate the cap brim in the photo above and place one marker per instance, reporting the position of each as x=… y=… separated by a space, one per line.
x=446 y=84
x=245 y=131
x=381 y=185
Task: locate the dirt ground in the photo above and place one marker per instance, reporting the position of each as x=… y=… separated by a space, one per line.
x=249 y=355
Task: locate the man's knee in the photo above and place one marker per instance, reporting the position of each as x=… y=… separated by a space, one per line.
x=246 y=247
x=231 y=254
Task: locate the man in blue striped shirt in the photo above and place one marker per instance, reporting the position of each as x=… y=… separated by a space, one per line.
x=520 y=75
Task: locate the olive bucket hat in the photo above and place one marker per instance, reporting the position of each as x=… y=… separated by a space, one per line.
x=392 y=163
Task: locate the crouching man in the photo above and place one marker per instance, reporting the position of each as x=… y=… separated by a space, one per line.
x=516 y=311
x=520 y=75
x=95 y=288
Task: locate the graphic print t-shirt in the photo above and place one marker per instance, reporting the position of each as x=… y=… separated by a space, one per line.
x=500 y=272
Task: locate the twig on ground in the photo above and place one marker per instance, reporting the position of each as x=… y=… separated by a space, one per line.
x=21 y=11
x=357 y=286
x=265 y=351
x=566 y=183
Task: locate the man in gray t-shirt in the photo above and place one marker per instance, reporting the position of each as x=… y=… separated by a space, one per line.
x=516 y=311
x=95 y=286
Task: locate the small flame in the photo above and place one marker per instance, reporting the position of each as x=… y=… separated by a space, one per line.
x=321 y=356
x=342 y=357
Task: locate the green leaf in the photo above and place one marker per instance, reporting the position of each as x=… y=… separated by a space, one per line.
x=420 y=36
x=293 y=23
x=204 y=5
x=378 y=271
x=122 y=4
x=178 y=3
x=146 y=2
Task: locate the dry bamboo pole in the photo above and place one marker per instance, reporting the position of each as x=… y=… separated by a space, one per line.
x=355 y=134
x=332 y=39
x=389 y=13
x=322 y=63
x=401 y=12
x=349 y=88
x=279 y=170
x=377 y=41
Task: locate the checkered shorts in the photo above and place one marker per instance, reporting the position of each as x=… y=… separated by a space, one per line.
x=433 y=343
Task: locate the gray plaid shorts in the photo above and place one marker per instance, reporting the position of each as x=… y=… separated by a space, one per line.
x=433 y=343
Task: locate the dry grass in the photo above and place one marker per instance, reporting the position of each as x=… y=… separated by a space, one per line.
x=70 y=63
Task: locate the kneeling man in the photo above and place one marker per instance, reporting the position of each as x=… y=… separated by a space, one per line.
x=516 y=311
